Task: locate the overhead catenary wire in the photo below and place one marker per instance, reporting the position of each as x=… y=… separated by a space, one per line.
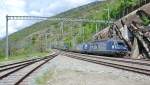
x=49 y=19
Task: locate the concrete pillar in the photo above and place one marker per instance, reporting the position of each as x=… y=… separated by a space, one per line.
x=135 y=50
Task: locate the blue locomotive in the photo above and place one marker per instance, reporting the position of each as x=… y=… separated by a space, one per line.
x=104 y=47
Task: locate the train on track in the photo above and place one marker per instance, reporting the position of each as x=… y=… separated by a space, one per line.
x=110 y=47
x=103 y=47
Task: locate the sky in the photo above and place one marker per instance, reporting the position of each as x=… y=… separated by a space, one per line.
x=32 y=8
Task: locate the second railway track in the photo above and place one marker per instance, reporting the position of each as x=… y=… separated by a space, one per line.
x=16 y=73
x=137 y=66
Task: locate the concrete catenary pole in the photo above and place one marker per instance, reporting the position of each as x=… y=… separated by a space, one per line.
x=46 y=42
x=62 y=31
x=108 y=15
x=96 y=27
x=7 y=48
x=83 y=34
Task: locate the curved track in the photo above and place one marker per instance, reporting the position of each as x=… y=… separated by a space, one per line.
x=19 y=64
x=16 y=73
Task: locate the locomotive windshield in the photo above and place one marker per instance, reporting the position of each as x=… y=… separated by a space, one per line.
x=121 y=44
x=85 y=46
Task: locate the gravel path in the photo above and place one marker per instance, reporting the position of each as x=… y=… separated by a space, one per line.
x=67 y=71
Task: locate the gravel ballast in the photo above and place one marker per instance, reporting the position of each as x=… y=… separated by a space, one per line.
x=68 y=71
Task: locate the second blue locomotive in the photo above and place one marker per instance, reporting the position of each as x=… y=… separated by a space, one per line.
x=103 y=47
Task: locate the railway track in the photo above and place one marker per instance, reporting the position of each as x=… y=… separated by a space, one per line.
x=126 y=60
x=137 y=66
x=19 y=64
x=16 y=73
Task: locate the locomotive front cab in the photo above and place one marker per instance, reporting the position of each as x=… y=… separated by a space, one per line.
x=119 y=46
x=85 y=46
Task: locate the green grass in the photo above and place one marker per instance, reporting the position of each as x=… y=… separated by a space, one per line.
x=22 y=57
x=42 y=80
x=52 y=75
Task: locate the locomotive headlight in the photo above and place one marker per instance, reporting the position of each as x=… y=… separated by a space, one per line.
x=113 y=46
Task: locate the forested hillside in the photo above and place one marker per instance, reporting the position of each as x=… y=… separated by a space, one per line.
x=32 y=38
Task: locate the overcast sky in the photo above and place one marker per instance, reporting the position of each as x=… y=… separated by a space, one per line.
x=33 y=8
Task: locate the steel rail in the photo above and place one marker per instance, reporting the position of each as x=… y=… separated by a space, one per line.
x=2 y=66
x=21 y=66
x=119 y=60
x=119 y=66
x=37 y=67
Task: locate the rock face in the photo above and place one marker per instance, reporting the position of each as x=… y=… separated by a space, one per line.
x=127 y=19
x=69 y=71
x=130 y=27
